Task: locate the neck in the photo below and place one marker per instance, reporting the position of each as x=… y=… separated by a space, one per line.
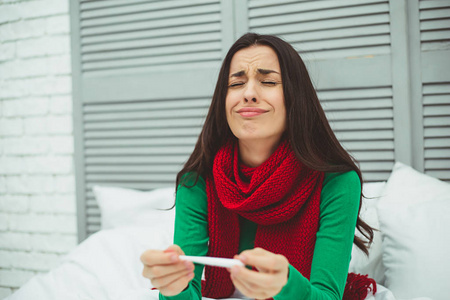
x=255 y=152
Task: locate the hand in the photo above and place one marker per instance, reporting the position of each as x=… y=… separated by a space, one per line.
x=268 y=282
x=166 y=271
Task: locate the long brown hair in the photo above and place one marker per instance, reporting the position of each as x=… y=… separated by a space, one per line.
x=308 y=130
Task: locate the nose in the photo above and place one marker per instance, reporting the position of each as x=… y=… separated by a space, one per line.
x=250 y=93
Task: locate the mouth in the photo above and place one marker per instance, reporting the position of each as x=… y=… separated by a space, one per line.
x=251 y=112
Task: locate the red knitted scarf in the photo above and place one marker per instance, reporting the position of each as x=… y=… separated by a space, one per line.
x=282 y=196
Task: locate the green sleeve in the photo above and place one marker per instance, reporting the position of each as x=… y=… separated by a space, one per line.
x=338 y=213
x=191 y=230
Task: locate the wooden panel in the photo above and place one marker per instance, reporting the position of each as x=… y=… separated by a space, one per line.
x=434 y=25
x=146 y=71
x=326 y=29
x=435 y=66
x=436 y=114
x=163 y=84
x=345 y=73
x=362 y=119
x=138 y=144
x=117 y=36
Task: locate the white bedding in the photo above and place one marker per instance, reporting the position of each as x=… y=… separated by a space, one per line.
x=408 y=257
x=107 y=266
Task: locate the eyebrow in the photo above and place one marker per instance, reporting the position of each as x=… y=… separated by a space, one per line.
x=260 y=71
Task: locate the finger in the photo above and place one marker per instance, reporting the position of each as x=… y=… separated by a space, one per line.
x=261 y=269
x=156 y=271
x=241 y=286
x=162 y=281
x=174 y=248
x=157 y=257
x=253 y=279
x=176 y=286
x=263 y=260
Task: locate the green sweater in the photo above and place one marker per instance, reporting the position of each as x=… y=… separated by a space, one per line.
x=339 y=204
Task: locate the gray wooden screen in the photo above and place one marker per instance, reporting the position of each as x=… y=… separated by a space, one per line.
x=144 y=73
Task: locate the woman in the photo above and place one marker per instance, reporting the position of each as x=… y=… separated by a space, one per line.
x=268 y=183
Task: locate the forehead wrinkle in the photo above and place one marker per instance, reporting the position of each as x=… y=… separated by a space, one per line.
x=259 y=71
x=247 y=60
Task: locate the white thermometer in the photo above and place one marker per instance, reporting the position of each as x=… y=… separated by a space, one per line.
x=213 y=261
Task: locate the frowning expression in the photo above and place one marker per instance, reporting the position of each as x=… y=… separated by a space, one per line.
x=255 y=103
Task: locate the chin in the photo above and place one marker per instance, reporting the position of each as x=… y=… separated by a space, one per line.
x=250 y=136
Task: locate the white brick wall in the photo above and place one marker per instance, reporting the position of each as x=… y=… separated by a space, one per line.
x=37 y=184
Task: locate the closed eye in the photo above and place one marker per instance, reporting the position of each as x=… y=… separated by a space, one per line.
x=236 y=84
x=269 y=82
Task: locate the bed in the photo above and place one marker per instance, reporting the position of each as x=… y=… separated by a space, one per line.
x=408 y=258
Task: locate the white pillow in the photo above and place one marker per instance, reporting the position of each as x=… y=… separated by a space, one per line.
x=360 y=263
x=127 y=207
x=414 y=220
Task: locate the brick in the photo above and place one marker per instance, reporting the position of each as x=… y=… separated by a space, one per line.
x=16 y=241
x=7 y=52
x=30 y=184
x=36 y=126
x=12 y=165
x=5 y=292
x=32 y=261
x=30 y=67
x=59 y=65
x=13 y=88
x=4 y=222
x=38 y=86
x=42 y=8
x=26 y=29
x=65 y=183
x=47 y=45
x=62 y=145
x=45 y=86
x=58 y=24
x=48 y=165
x=15 y=278
x=6 y=33
x=60 y=85
x=43 y=223
x=59 y=124
x=2 y=184
x=6 y=258
x=53 y=243
x=36 y=67
x=6 y=70
x=9 y=13
x=65 y=204
x=48 y=125
x=61 y=105
x=26 y=145
x=11 y=127
x=14 y=203
x=30 y=106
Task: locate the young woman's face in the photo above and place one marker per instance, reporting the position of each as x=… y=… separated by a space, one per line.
x=255 y=102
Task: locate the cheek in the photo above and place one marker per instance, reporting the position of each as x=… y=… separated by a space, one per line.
x=230 y=103
x=281 y=112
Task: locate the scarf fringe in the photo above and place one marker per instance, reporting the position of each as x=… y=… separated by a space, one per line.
x=358 y=286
